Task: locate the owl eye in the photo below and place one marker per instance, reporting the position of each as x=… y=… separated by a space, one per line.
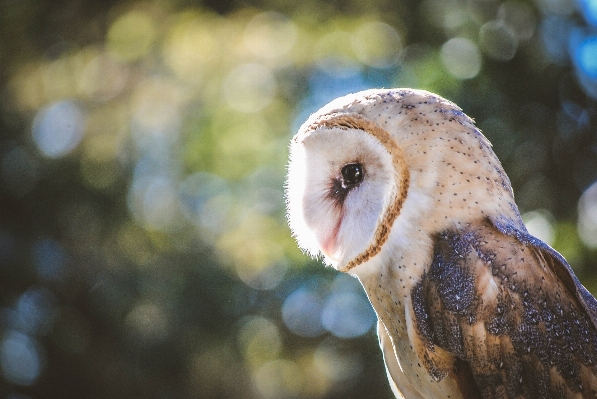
x=352 y=174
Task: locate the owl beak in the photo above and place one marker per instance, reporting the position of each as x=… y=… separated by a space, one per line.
x=329 y=247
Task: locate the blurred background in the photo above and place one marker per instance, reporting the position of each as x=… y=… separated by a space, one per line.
x=144 y=250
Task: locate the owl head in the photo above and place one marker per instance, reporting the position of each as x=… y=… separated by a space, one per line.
x=371 y=169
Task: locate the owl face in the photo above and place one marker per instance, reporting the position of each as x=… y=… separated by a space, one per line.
x=339 y=181
x=370 y=170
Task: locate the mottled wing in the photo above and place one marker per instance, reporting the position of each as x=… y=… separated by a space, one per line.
x=510 y=310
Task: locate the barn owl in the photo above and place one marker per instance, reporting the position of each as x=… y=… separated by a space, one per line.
x=400 y=189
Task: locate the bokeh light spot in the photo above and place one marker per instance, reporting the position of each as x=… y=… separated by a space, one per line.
x=347 y=315
x=190 y=46
x=156 y=114
x=249 y=88
x=519 y=17
x=58 y=128
x=539 y=224
x=336 y=364
x=498 y=40
x=155 y=202
x=270 y=35
x=206 y=202
x=377 y=44
x=453 y=17
x=148 y=323
x=59 y=76
x=260 y=340
x=587 y=216
x=263 y=278
x=279 y=379
x=130 y=37
x=252 y=246
x=20 y=359
x=102 y=77
x=246 y=145
x=555 y=31
x=159 y=203
x=461 y=58
x=589 y=10
x=49 y=259
x=301 y=313
x=36 y=311
x=334 y=53
x=586 y=57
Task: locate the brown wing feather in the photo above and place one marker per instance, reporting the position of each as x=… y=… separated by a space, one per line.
x=559 y=266
x=512 y=312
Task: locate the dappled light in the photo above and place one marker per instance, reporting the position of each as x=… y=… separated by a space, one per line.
x=461 y=58
x=144 y=250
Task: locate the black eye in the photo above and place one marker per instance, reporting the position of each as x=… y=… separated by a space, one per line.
x=352 y=174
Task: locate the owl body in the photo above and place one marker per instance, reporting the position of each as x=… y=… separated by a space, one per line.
x=401 y=190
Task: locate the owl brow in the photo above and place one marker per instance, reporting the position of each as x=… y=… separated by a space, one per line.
x=401 y=175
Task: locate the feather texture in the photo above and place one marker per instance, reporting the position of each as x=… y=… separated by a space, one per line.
x=532 y=337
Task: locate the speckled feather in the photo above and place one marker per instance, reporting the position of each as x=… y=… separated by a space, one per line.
x=533 y=339
x=469 y=304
